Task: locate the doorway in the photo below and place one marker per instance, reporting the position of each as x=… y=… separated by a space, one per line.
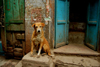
x=70 y=22
x=78 y=20
x=1 y=26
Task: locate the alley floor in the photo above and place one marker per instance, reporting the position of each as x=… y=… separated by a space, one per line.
x=72 y=55
x=8 y=62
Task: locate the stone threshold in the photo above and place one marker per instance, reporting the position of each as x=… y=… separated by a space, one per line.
x=75 y=49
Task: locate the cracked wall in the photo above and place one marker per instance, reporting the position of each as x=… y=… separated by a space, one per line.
x=36 y=11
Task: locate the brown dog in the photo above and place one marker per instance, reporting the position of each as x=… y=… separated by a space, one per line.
x=38 y=40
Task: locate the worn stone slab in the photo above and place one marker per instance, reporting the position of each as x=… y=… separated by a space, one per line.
x=43 y=61
x=7 y=62
x=19 y=64
x=76 y=49
x=66 y=61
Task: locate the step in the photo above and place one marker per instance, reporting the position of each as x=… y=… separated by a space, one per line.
x=42 y=61
x=72 y=61
x=76 y=55
x=76 y=49
x=64 y=57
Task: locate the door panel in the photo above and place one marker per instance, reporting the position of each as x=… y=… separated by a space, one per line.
x=8 y=10
x=16 y=6
x=92 y=24
x=61 y=35
x=62 y=16
x=14 y=11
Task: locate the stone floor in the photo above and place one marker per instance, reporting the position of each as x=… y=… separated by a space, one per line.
x=78 y=49
x=59 y=60
x=74 y=61
x=8 y=62
x=76 y=55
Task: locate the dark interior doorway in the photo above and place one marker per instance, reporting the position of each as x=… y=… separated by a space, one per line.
x=1 y=25
x=1 y=16
x=78 y=20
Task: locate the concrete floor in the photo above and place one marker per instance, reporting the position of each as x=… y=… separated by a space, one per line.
x=8 y=62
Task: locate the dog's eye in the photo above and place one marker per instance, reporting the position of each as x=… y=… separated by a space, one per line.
x=40 y=26
x=36 y=27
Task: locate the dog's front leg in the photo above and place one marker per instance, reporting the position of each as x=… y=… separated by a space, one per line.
x=32 y=46
x=38 y=55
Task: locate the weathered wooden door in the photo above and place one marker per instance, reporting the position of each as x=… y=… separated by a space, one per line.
x=92 y=24
x=14 y=24
x=61 y=22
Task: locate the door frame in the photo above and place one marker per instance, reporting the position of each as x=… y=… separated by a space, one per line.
x=55 y=25
x=98 y=39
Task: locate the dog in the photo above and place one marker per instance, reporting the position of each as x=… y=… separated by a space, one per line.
x=38 y=41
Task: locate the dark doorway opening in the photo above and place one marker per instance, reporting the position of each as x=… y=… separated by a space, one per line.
x=1 y=25
x=78 y=20
x=1 y=16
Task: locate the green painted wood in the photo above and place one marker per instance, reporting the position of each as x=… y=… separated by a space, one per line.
x=16 y=21
x=21 y=9
x=1 y=2
x=15 y=27
x=8 y=11
x=16 y=14
x=14 y=11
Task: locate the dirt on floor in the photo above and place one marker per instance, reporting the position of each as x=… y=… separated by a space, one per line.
x=77 y=55
x=8 y=62
x=66 y=56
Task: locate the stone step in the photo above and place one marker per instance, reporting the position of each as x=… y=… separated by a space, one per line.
x=76 y=50
x=59 y=61
x=42 y=61
x=72 y=61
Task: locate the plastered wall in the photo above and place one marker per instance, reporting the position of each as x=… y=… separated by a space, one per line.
x=39 y=11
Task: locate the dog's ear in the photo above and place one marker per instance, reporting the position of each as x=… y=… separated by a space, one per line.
x=43 y=24
x=33 y=25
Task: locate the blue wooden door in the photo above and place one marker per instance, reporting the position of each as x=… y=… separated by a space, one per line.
x=92 y=24
x=62 y=22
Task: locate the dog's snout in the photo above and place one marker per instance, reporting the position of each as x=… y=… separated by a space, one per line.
x=38 y=30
